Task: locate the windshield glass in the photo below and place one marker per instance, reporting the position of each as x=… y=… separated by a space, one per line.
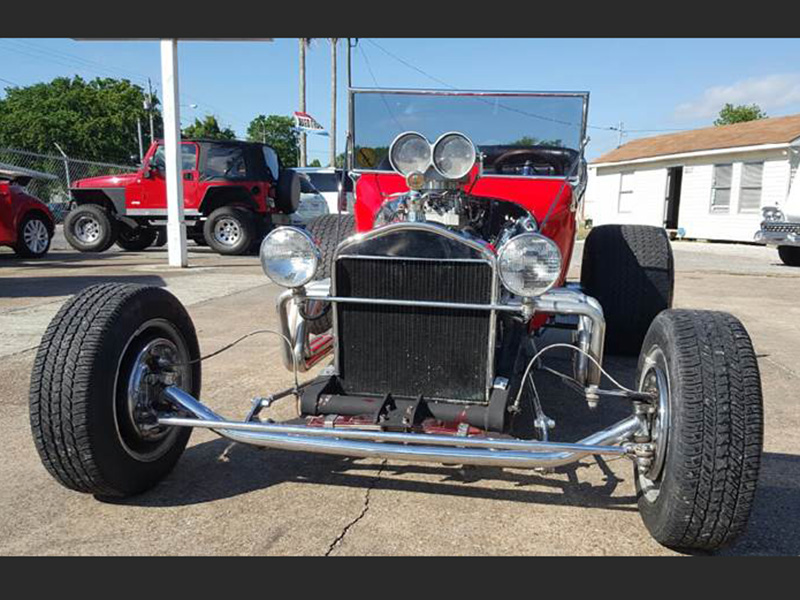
x=496 y=122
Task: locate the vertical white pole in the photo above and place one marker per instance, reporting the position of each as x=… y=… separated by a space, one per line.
x=176 y=228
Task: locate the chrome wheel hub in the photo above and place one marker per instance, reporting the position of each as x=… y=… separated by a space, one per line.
x=655 y=381
x=35 y=236
x=87 y=229
x=227 y=231
x=147 y=369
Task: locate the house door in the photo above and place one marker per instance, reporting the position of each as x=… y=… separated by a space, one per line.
x=673 y=199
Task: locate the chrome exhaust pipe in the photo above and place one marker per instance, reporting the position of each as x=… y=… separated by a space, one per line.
x=403 y=446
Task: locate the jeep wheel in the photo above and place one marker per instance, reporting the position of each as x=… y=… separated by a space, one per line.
x=90 y=228
x=94 y=388
x=231 y=230
x=135 y=239
x=629 y=269
x=33 y=237
x=161 y=238
x=328 y=231
x=706 y=430
x=790 y=255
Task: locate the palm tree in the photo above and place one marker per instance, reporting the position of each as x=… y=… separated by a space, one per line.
x=334 y=42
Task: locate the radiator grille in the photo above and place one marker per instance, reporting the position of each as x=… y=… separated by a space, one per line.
x=411 y=351
x=782 y=227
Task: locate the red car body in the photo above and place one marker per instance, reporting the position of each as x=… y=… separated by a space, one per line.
x=535 y=195
x=16 y=204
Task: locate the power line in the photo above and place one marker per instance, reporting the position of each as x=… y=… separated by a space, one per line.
x=421 y=71
x=82 y=64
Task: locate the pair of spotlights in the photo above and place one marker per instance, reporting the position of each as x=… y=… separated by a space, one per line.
x=452 y=155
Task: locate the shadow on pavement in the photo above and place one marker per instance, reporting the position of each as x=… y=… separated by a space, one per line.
x=220 y=469
x=42 y=287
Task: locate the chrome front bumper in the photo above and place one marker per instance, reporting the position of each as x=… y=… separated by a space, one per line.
x=415 y=447
x=306 y=351
x=779 y=233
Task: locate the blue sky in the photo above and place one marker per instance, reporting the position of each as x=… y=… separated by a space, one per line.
x=648 y=84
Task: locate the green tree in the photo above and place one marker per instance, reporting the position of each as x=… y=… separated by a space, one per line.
x=94 y=120
x=208 y=129
x=277 y=131
x=730 y=114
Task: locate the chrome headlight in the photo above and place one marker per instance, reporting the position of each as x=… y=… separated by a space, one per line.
x=289 y=257
x=529 y=264
x=772 y=213
x=410 y=152
x=453 y=155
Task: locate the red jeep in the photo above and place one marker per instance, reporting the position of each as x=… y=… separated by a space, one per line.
x=232 y=190
x=26 y=223
x=451 y=332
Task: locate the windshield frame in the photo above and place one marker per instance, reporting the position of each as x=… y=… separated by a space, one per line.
x=352 y=91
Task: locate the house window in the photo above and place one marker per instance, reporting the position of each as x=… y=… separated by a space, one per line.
x=721 y=188
x=626 y=193
x=750 y=192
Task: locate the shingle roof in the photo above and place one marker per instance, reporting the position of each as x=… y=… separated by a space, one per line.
x=776 y=130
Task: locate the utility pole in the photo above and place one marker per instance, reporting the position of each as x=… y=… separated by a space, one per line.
x=303 y=43
x=620 y=130
x=334 y=43
x=150 y=109
x=139 y=133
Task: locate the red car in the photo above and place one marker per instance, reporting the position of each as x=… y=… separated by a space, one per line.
x=450 y=329
x=26 y=223
x=233 y=193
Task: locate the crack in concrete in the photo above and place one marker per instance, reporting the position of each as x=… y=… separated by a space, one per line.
x=361 y=515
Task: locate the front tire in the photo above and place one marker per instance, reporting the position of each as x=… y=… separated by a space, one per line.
x=90 y=228
x=708 y=429
x=630 y=270
x=34 y=235
x=91 y=392
x=231 y=230
x=789 y=255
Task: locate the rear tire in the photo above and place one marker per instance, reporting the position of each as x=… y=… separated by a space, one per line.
x=630 y=270
x=90 y=228
x=790 y=255
x=86 y=364
x=328 y=231
x=34 y=235
x=135 y=239
x=231 y=230
x=699 y=490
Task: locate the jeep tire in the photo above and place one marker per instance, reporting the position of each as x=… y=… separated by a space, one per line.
x=231 y=230
x=134 y=239
x=630 y=270
x=790 y=255
x=90 y=228
x=698 y=491
x=328 y=231
x=87 y=381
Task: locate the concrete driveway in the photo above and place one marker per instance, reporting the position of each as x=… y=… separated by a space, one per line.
x=225 y=498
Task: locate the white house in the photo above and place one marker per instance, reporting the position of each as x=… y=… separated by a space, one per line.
x=707 y=183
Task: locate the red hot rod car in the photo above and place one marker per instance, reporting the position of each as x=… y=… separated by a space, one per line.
x=435 y=308
x=232 y=191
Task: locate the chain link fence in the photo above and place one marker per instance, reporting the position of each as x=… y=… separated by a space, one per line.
x=62 y=172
